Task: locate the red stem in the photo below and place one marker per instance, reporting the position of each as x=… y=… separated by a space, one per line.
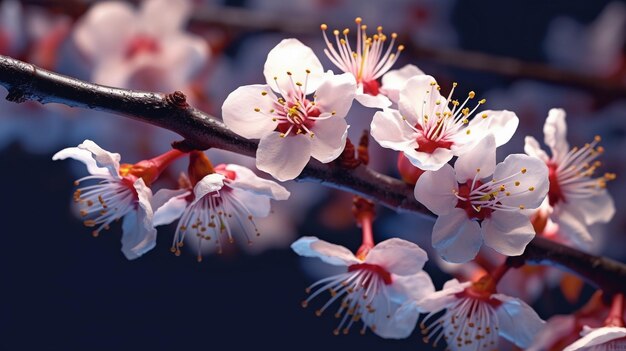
x=367 y=242
x=616 y=316
x=499 y=273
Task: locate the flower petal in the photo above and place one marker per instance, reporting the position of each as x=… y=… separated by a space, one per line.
x=532 y=148
x=397 y=256
x=390 y=131
x=573 y=228
x=310 y=246
x=290 y=55
x=103 y=158
x=210 y=183
x=502 y=124
x=246 y=180
x=138 y=232
x=283 y=158
x=330 y=139
x=519 y=323
x=336 y=94
x=160 y=17
x=415 y=286
x=555 y=132
x=455 y=237
x=429 y=161
x=418 y=95
x=597 y=337
x=479 y=160
x=391 y=320
x=168 y=205
x=371 y=101
x=258 y=205
x=395 y=80
x=435 y=190
x=439 y=300
x=507 y=232
x=239 y=111
x=536 y=177
x=596 y=209
x=83 y=156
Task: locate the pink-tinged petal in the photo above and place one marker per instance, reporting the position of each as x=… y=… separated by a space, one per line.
x=395 y=80
x=418 y=96
x=507 y=232
x=555 y=328
x=456 y=238
x=414 y=287
x=519 y=323
x=114 y=72
x=160 y=17
x=479 y=160
x=532 y=148
x=336 y=94
x=572 y=227
x=182 y=59
x=390 y=131
x=555 y=133
x=168 y=205
x=240 y=113
x=110 y=160
x=392 y=320
x=330 y=139
x=246 y=180
x=596 y=209
x=436 y=189
x=595 y=337
x=258 y=205
x=310 y=246
x=535 y=177
x=283 y=158
x=83 y=156
x=290 y=55
x=105 y=29
x=502 y=124
x=138 y=232
x=429 y=161
x=373 y=101
x=397 y=256
x=210 y=183
x=439 y=300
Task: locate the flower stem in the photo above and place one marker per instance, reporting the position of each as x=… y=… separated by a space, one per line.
x=616 y=314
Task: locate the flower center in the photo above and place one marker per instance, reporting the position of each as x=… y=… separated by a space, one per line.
x=373 y=268
x=430 y=144
x=141 y=44
x=371 y=87
x=473 y=212
x=555 y=195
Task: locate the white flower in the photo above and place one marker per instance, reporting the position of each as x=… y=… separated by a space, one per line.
x=145 y=48
x=600 y=339
x=118 y=194
x=367 y=62
x=292 y=126
x=476 y=316
x=429 y=132
x=233 y=194
x=472 y=208
x=379 y=289
x=576 y=200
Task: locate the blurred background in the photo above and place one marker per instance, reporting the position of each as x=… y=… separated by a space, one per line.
x=64 y=289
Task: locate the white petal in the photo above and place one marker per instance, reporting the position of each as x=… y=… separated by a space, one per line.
x=258 y=205
x=415 y=287
x=398 y=256
x=439 y=300
x=371 y=101
x=435 y=190
x=310 y=246
x=555 y=132
x=246 y=180
x=239 y=114
x=555 y=328
x=210 y=183
x=395 y=80
x=596 y=209
x=507 y=232
x=168 y=205
x=182 y=59
x=455 y=237
x=290 y=55
x=532 y=148
x=572 y=227
x=479 y=160
x=536 y=176
x=336 y=94
x=502 y=124
x=138 y=232
x=283 y=158
x=330 y=138
x=597 y=337
x=418 y=97
x=103 y=158
x=392 y=320
x=429 y=161
x=390 y=131
x=83 y=156
x=161 y=17
x=519 y=323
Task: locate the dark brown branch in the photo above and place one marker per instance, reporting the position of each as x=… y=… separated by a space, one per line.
x=27 y=82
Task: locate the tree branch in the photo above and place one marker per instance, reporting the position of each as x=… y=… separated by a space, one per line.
x=171 y=111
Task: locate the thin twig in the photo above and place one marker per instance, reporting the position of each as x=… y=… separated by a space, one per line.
x=171 y=111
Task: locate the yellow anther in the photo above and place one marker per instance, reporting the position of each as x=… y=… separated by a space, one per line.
x=282 y=135
x=521 y=207
x=484 y=115
x=502 y=187
x=482 y=101
x=432 y=84
x=394 y=35
x=264 y=93
x=532 y=188
x=467 y=132
x=517 y=183
x=465 y=111
x=346 y=31
x=308 y=71
x=324 y=26
x=363 y=27
x=597 y=138
x=257 y=109
x=465 y=121
x=288 y=73
x=471 y=94
x=507 y=193
x=358 y=20
x=299 y=84
x=477 y=170
x=523 y=171
x=336 y=32
x=342 y=41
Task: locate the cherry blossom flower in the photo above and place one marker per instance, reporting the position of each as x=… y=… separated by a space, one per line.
x=122 y=191
x=576 y=199
x=607 y=338
x=473 y=208
x=429 y=132
x=292 y=126
x=230 y=194
x=145 y=48
x=367 y=62
x=379 y=287
x=475 y=316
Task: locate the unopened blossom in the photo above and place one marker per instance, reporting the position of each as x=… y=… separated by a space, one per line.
x=609 y=338
x=224 y=201
x=298 y=114
x=477 y=201
x=367 y=61
x=378 y=288
x=121 y=192
x=475 y=316
x=430 y=128
x=141 y=48
x=576 y=198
